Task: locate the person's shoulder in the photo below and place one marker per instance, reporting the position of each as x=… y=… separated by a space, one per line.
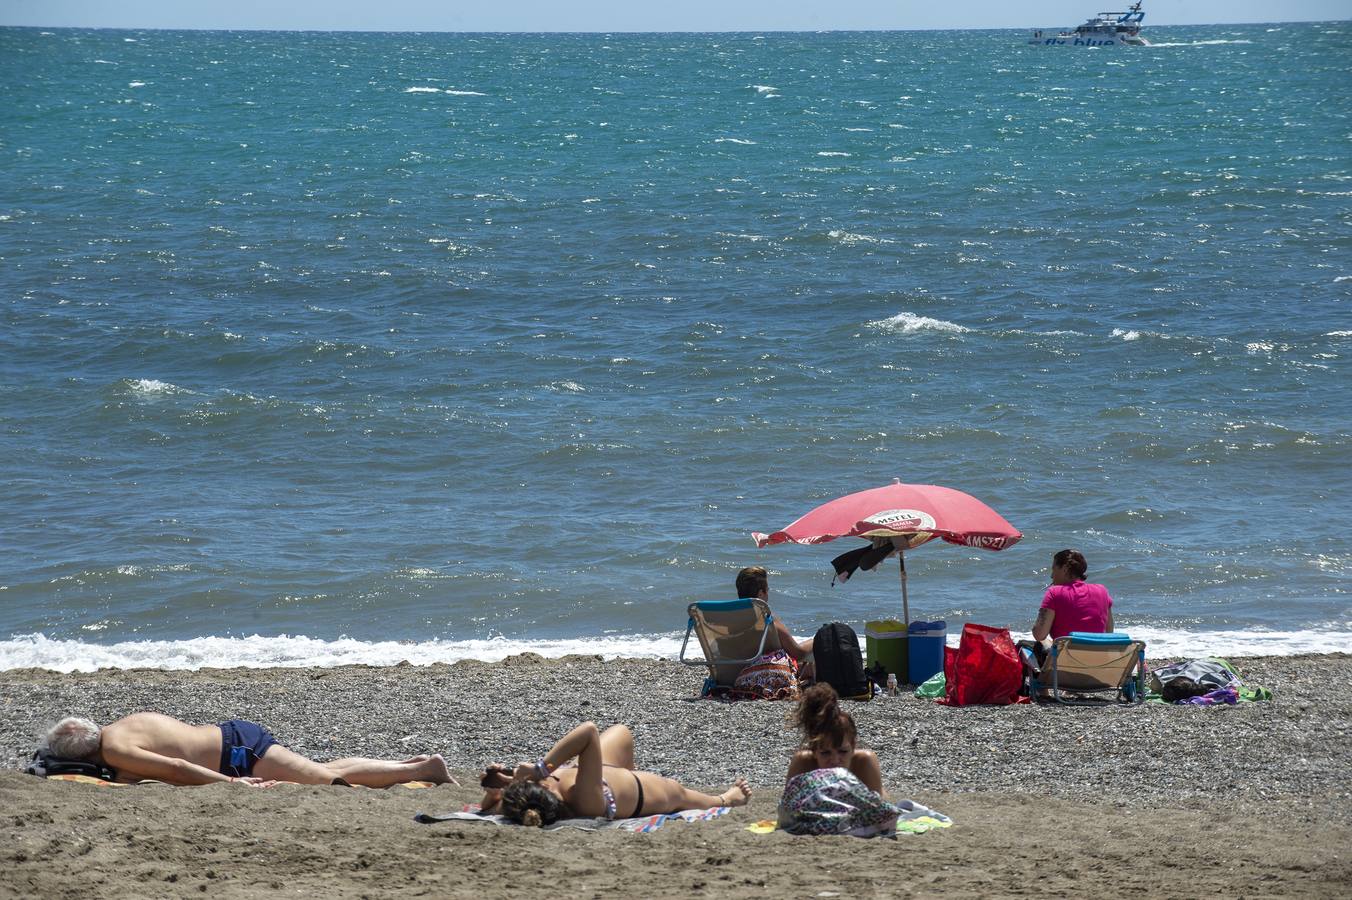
x=1055 y=594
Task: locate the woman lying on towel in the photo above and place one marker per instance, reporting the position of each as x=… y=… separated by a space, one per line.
x=601 y=783
x=830 y=739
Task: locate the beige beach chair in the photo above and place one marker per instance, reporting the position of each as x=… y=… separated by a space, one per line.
x=731 y=633
x=1081 y=665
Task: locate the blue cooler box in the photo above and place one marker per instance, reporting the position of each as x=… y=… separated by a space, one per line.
x=926 y=646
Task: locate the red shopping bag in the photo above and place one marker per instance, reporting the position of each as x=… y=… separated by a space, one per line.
x=983 y=669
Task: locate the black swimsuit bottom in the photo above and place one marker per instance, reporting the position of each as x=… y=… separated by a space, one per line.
x=638 y=807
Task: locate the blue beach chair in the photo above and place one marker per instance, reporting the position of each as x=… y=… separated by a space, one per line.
x=731 y=633
x=1083 y=664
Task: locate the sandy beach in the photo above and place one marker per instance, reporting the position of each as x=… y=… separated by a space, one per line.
x=1155 y=801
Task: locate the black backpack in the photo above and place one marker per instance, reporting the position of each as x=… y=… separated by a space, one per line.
x=835 y=653
x=45 y=763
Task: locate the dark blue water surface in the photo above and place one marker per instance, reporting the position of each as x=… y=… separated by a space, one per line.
x=416 y=337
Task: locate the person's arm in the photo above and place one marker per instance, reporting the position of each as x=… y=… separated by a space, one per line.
x=492 y=797
x=1043 y=626
x=1110 y=621
x=143 y=763
x=583 y=742
x=494 y=779
x=797 y=649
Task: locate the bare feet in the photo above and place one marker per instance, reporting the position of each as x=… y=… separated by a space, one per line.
x=737 y=795
x=433 y=769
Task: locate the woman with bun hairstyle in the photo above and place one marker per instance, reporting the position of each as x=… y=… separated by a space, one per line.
x=830 y=739
x=1071 y=603
x=602 y=783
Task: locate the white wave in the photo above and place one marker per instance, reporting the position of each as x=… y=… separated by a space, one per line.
x=1199 y=43
x=732 y=141
x=465 y=93
x=422 y=90
x=850 y=237
x=136 y=84
x=1338 y=334
x=148 y=387
x=832 y=153
x=763 y=88
x=1170 y=642
x=910 y=323
x=37 y=651
x=1341 y=278
x=1126 y=335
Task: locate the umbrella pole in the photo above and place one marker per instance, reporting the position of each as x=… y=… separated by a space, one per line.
x=905 y=602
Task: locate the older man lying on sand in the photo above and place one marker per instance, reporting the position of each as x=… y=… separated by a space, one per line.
x=150 y=745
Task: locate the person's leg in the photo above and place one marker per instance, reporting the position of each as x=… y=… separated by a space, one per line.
x=669 y=795
x=383 y=773
x=864 y=764
x=617 y=747
x=281 y=764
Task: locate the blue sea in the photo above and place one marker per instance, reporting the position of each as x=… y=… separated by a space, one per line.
x=322 y=348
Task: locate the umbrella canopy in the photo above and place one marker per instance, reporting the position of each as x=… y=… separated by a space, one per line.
x=907 y=515
x=918 y=513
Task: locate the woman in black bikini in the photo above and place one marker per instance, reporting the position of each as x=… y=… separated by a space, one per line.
x=602 y=783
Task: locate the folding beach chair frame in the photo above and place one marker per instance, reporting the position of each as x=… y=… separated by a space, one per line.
x=762 y=615
x=1133 y=676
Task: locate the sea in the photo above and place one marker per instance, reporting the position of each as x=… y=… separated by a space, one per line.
x=328 y=348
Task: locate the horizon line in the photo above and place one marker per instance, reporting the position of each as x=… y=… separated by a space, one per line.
x=736 y=31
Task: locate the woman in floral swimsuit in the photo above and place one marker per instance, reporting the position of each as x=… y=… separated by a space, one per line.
x=602 y=783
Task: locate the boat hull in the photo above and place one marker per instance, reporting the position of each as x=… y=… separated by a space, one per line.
x=1077 y=40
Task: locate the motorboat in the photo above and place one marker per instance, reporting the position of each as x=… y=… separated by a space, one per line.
x=1106 y=29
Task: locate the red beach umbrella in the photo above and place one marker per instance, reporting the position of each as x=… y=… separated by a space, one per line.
x=904 y=516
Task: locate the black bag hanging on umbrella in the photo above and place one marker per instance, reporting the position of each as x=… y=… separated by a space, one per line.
x=835 y=653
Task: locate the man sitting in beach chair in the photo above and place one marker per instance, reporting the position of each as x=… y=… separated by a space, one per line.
x=754 y=581
x=736 y=633
x=153 y=746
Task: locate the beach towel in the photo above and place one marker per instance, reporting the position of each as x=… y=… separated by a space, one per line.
x=639 y=825
x=86 y=779
x=914 y=819
x=835 y=801
x=90 y=779
x=770 y=676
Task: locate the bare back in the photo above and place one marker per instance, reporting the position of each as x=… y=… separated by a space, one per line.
x=134 y=746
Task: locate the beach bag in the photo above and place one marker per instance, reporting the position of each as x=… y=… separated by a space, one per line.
x=47 y=763
x=834 y=801
x=770 y=676
x=1207 y=674
x=983 y=669
x=835 y=653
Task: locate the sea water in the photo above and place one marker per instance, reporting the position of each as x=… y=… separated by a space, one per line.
x=323 y=348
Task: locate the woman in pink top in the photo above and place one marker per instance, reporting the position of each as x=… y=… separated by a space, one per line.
x=1071 y=603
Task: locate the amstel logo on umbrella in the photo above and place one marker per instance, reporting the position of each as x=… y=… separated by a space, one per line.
x=902 y=521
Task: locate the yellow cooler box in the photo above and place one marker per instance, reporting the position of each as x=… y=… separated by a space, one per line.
x=885 y=642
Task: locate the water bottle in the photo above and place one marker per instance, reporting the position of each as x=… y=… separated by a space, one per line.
x=892 y=690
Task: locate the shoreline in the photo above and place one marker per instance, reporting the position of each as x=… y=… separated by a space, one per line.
x=37 y=651
x=1157 y=798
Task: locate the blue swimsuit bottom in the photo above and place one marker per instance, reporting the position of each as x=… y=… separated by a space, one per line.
x=243 y=744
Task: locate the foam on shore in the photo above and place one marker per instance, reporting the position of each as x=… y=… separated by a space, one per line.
x=37 y=651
